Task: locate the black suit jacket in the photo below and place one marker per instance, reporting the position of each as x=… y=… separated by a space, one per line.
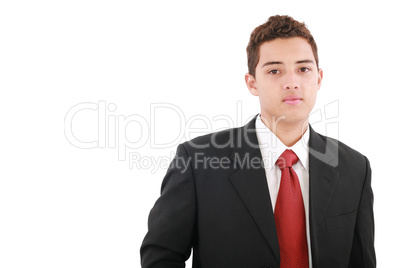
x=215 y=200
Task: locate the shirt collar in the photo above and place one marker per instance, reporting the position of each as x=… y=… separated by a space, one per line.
x=272 y=147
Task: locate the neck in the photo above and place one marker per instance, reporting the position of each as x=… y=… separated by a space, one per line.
x=288 y=133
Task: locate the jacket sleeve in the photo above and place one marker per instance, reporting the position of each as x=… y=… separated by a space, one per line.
x=171 y=222
x=363 y=253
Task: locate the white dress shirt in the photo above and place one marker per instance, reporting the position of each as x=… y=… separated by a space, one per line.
x=271 y=149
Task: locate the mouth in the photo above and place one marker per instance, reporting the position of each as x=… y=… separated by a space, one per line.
x=292 y=100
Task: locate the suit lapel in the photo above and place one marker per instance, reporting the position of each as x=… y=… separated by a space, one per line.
x=323 y=175
x=250 y=183
x=323 y=159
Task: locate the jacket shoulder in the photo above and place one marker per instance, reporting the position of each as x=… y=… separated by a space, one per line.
x=346 y=154
x=216 y=140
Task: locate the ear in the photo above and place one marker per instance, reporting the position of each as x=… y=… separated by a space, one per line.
x=251 y=84
x=320 y=76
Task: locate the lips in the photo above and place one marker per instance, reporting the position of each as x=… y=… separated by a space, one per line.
x=292 y=99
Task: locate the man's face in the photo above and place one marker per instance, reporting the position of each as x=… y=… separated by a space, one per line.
x=286 y=81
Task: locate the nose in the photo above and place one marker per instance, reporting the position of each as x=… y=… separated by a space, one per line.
x=291 y=82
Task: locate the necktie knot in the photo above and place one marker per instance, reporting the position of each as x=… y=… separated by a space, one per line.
x=287 y=159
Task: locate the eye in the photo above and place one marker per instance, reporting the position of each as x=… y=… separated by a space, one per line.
x=273 y=71
x=304 y=69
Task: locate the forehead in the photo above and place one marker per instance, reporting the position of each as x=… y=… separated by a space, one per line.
x=286 y=49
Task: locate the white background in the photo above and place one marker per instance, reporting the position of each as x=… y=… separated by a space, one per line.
x=65 y=206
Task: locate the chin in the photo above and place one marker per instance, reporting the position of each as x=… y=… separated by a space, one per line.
x=294 y=119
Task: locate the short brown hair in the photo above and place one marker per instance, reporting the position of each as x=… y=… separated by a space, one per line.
x=276 y=27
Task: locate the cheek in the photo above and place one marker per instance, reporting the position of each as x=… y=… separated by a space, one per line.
x=311 y=97
x=270 y=92
x=270 y=97
x=268 y=88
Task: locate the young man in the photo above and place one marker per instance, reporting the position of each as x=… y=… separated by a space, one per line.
x=256 y=196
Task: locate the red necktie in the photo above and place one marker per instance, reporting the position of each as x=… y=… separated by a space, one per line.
x=290 y=216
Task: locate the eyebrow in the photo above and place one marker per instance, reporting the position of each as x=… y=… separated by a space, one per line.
x=279 y=62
